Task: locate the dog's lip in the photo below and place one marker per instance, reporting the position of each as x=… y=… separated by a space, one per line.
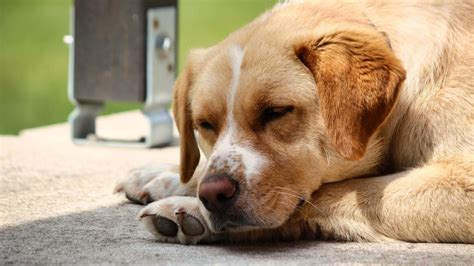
x=231 y=226
x=240 y=228
x=227 y=225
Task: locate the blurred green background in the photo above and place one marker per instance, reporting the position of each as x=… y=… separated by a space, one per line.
x=34 y=59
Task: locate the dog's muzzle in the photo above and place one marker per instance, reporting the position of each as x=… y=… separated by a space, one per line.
x=219 y=193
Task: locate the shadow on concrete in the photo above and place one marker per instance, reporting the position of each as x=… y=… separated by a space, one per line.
x=112 y=235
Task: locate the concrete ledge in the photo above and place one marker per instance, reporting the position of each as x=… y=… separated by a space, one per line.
x=56 y=206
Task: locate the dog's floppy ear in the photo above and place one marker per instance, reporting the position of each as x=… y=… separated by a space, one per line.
x=358 y=80
x=189 y=151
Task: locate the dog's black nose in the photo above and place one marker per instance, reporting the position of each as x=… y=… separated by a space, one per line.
x=218 y=193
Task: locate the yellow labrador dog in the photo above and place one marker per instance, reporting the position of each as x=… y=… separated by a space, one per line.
x=350 y=121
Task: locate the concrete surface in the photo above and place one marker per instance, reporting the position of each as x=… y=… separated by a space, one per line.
x=56 y=206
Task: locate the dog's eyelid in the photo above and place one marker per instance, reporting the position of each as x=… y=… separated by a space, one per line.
x=275 y=112
x=286 y=108
x=204 y=124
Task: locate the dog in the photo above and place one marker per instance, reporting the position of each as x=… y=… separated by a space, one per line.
x=323 y=120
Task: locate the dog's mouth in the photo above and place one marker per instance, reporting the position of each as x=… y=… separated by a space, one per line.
x=231 y=222
x=239 y=221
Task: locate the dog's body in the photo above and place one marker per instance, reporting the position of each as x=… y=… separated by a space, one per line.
x=316 y=93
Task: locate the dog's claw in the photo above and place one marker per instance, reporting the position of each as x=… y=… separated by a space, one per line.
x=144 y=197
x=117 y=189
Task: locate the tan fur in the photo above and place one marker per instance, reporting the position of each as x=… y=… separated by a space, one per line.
x=189 y=151
x=357 y=76
x=355 y=113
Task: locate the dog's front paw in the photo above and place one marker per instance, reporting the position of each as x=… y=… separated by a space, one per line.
x=176 y=219
x=150 y=183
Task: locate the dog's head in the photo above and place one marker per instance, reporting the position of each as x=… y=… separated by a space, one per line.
x=277 y=109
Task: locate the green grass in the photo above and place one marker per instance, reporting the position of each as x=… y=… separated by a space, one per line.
x=34 y=60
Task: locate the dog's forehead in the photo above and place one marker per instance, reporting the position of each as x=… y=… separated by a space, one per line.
x=235 y=62
x=217 y=81
x=210 y=88
x=249 y=76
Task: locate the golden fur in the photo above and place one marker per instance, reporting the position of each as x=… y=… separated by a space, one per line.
x=374 y=126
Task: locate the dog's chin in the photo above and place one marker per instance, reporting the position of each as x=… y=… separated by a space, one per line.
x=231 y=223
x=240 y=223
x=233 y=228
x=236 y=227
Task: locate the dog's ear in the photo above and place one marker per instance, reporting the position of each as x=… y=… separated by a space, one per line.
x=189 y=151
x=358 y=80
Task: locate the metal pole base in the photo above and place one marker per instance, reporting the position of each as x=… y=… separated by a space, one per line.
x=83 y=127
x=82 y=120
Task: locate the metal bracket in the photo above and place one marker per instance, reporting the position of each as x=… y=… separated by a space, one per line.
x=160 y=75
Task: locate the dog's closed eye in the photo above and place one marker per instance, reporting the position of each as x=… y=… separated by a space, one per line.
x=206 y=125
x=270 y=114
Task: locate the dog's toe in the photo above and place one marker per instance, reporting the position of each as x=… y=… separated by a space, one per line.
x=165 y=226
x=176 y=219
x=165 y=185
x=134 y=184
x=192 y=226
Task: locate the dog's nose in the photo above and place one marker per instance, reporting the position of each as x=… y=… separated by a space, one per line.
x=217 y=193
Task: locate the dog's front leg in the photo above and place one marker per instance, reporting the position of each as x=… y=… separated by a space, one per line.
x=434 y=203
x=173 y=214
x=154 y=182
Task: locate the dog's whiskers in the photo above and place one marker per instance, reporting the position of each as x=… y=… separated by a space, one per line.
x=296 y=194
x=280 y=202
